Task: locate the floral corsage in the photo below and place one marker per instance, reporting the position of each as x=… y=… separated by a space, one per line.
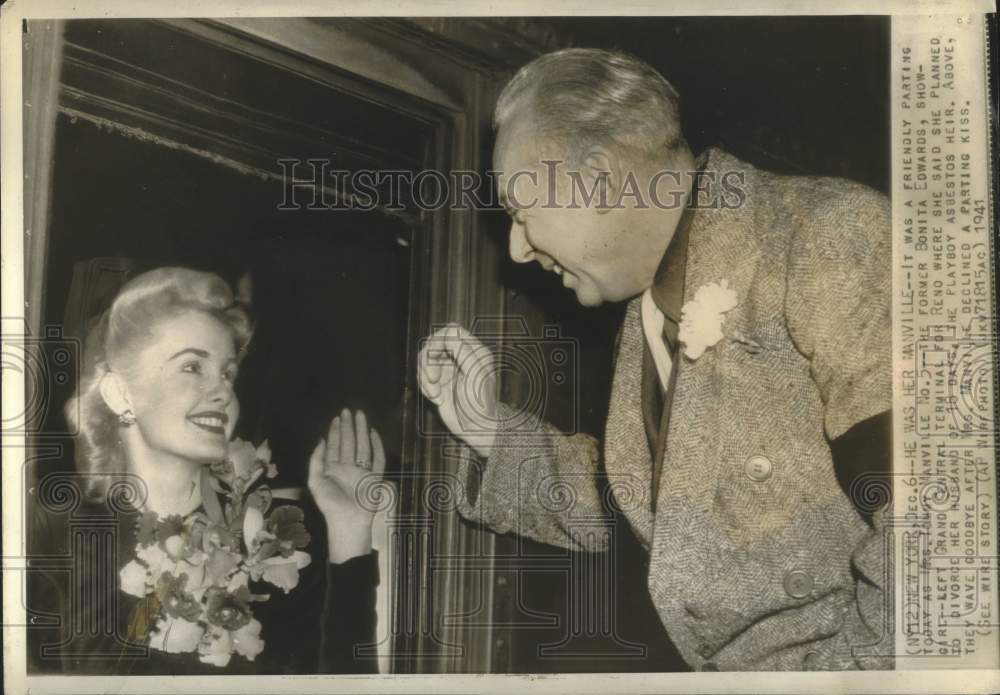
x=703 y=320
x=192 y=573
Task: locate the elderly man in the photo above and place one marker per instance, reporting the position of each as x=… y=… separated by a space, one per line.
x=752 y=369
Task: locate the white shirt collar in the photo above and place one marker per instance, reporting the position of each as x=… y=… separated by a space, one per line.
x=652 y=327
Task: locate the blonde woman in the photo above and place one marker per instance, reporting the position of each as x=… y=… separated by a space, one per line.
x=214 y=573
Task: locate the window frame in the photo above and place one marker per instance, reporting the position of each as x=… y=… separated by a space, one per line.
x=455 y=275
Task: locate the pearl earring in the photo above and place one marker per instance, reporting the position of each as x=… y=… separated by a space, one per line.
x=126 y=418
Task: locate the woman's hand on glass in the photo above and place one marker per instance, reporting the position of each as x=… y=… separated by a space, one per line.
x=351 y=456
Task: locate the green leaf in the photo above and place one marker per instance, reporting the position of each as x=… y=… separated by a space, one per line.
x=143 y=617
x=209 y=499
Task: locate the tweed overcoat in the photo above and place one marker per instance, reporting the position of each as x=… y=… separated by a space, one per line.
x=758 y=559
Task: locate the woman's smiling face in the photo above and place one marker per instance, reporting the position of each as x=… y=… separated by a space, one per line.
x=180 y=387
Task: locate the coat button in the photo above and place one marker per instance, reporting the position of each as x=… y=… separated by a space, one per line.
x=758 y=468
x=810 y=662
x=705 y=651
x=798 y=584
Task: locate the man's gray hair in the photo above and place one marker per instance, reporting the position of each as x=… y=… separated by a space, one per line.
x=585 y=97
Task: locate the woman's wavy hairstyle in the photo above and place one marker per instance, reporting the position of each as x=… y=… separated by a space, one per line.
x=114 y=341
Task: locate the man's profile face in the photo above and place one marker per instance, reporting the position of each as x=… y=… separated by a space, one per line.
x=577 y=243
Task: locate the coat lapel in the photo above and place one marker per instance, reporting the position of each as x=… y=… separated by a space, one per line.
x=716 y=251
x=626 y=451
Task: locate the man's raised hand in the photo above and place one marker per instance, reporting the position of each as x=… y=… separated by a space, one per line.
x=457 y=373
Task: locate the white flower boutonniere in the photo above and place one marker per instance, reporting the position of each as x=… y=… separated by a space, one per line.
x=703 y=316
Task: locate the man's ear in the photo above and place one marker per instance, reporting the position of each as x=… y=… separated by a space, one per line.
x=115 y=393
x=602 y=167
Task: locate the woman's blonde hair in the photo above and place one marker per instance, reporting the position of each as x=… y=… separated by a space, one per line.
x=117 y=337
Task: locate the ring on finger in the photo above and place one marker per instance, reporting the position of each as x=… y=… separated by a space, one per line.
x=363 y=464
